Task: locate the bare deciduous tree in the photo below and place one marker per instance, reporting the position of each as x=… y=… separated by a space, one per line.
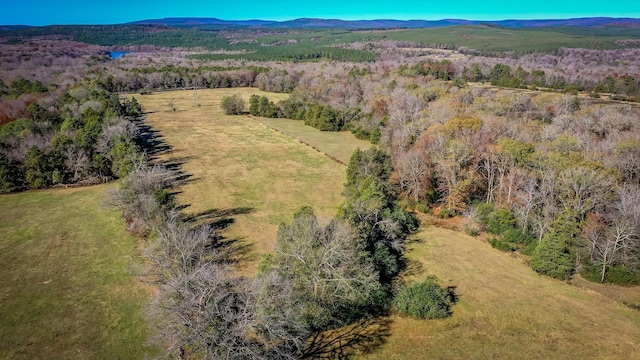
x=77 y=161
x=327 y=268
x=581 y=190
x=413 y=173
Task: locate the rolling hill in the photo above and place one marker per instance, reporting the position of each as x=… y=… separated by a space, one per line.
x=391 y=23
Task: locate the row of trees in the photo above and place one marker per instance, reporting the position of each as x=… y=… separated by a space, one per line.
x=297 y=107
x=302 y=52
x=322 y=117
x=21 y=86
x=169 y=76
x=626 y=86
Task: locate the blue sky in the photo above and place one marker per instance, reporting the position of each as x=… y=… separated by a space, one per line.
x=47 y=12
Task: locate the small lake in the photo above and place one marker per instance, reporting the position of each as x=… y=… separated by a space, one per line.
x=118 y=54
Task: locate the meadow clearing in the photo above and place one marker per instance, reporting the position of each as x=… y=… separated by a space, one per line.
x=243 y=174
x=506 y=310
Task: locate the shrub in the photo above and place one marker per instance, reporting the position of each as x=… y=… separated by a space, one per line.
x=423 y=207
x=425 y=300
x=472 y=231
x=10 y=176
x=375 y=136
x=501 y=245
x=233 y=105
x=552 y=257
x=446 y=213
x=500 y=221
x=517 y=236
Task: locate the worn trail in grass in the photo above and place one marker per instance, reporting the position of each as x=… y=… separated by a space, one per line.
x=66 y=291
x=339 y=145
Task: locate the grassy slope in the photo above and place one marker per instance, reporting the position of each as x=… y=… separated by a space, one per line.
x=237 y=163
x=507 y=311
x=65 y=288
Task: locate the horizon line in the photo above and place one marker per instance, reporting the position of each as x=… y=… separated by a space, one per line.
x=336 y=18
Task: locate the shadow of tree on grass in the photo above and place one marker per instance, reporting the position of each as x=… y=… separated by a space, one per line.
x=360 y=338
x=215 y=215
x=150 y=140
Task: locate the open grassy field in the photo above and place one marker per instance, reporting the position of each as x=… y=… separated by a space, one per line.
x=65 y=287
x=245 y=174
x=507 y=311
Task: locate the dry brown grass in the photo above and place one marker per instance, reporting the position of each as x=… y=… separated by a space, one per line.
x=240 y=165
x=339 y=145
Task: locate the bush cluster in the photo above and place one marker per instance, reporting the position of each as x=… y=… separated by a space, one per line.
x=425 y=300
x=233 y=105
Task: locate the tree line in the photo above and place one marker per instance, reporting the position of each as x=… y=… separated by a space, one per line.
x=622 y=86
x=555 y=194
x=148 y=79
x=320 y=116
x=542 y=160
x=295 y=53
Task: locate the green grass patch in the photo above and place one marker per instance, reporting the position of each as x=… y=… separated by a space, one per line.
x=65 y=288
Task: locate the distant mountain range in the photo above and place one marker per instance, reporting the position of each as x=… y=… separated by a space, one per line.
x=13 y=27
x=390 y=23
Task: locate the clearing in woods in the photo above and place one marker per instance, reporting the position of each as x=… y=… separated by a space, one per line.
x=246 y=176
x=253 y=178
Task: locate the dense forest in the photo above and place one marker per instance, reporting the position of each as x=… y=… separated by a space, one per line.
x=537 y=150
x=79 y=136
